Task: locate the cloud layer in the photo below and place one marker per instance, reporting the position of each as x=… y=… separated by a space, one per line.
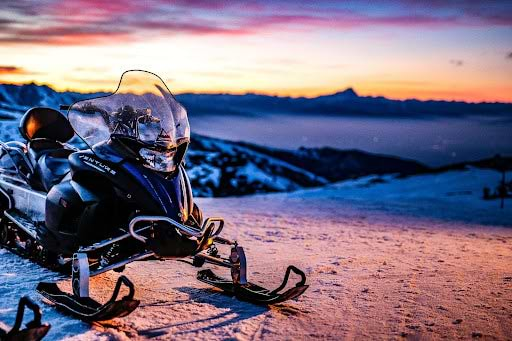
x=10 y=69
x=61 y=22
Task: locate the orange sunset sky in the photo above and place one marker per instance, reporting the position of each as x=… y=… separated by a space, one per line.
x=453 y=50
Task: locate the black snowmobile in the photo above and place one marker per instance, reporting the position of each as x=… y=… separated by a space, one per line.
x=34 y=331
x=125 y=198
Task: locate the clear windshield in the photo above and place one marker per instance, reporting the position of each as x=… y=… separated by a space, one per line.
x=141 y=108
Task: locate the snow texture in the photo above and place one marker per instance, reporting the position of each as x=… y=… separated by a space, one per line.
x=421 y=257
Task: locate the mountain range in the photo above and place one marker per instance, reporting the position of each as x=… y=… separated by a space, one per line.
x=223 y=168
x=344 y=103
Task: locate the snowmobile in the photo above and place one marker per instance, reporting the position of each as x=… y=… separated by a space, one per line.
x=34 y=331
x=124 y=197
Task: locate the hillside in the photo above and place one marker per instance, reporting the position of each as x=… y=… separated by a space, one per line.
x=337 y=165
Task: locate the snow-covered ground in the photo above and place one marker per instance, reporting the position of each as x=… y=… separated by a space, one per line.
x=453 y=195
x=421 y=257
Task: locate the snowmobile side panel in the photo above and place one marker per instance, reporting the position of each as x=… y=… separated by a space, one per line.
x=87 y=309
x=76 y=215
x=152 y=192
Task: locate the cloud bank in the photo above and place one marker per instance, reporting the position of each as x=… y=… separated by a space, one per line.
x=60 y=22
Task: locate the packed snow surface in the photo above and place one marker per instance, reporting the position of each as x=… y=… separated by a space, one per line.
x=419 y=257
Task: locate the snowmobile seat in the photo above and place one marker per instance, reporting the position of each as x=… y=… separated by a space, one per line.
x=39 y=147
x=52 y=167
x=50 y=161
x=47 y=130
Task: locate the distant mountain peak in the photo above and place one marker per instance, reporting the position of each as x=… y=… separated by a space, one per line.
x=347 y=94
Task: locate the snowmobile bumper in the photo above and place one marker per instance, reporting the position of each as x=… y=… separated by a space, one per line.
x=34 y=330
x=207 y=230
x=87 y=309
x=254 y=293
x=187 y=242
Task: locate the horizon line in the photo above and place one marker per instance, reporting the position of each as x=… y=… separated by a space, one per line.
x=268 y=94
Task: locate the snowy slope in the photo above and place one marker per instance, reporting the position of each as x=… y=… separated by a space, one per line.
x=220 y=168
x=453 y=194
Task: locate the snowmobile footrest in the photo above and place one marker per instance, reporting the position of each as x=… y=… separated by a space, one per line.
x=34 y=330
x=87 y=309
x=254 y=293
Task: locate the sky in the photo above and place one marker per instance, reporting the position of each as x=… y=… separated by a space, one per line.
x=452 y=50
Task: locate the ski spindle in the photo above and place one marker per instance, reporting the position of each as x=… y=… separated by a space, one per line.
x=80 y=275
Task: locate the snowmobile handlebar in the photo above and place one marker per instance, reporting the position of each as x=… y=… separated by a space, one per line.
x=187 y=230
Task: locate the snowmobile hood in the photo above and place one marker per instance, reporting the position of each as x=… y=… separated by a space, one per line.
x=167 y=192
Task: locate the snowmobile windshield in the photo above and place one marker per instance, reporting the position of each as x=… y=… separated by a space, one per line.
x=142 y=108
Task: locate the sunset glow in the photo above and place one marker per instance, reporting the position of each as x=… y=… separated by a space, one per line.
x=403 y=49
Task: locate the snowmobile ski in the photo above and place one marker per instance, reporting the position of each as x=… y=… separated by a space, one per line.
x=87 y=309
x=254 y=293
x=34 y=330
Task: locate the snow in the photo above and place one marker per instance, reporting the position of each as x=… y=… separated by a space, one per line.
x=223 y=168
x=206 y=175
x=9 y=131
x=252 y=174
x=233 y=148
x=407 y=257
x=454 y=194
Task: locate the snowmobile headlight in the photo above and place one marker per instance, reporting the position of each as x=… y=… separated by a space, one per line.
x=159 y=161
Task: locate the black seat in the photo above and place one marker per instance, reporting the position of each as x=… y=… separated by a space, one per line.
x=50 y=160
x=46 y=130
